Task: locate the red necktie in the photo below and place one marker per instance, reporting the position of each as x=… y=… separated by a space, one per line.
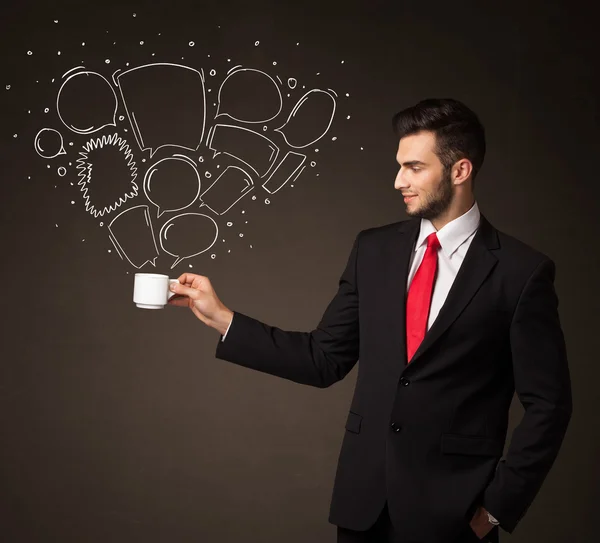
x=419 y=297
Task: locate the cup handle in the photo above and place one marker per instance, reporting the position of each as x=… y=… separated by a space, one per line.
x=170 y=294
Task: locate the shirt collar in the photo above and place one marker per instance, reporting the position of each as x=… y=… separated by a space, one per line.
x=453 y=234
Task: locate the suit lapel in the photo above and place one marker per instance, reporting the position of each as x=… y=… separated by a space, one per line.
x=478 y=263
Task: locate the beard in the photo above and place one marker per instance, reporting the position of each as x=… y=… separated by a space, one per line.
x=436 y=203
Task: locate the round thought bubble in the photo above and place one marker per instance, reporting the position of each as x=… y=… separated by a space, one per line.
x=86 y=103
x=187 y=235
x=172 y=184
x=250 y=96
x=49 y=143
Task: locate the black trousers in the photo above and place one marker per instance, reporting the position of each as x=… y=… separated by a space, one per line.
x=383 y=532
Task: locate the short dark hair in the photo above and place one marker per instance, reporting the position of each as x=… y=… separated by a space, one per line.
x=458 y=131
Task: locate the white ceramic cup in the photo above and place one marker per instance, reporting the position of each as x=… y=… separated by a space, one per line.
x=151 y=290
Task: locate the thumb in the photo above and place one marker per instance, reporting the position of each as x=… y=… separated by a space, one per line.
x=182 y=290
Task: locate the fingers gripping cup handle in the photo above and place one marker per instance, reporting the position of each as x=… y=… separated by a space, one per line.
x=170 y=293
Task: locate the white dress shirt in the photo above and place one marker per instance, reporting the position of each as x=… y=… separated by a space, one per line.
x=455 y=238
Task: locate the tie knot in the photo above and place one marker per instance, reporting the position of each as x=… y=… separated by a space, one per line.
x=433 y=241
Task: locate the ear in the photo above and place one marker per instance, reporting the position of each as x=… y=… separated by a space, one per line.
x=461 y=170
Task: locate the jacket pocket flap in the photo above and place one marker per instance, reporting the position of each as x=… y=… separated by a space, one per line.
x=353 y=422
x=474 y=445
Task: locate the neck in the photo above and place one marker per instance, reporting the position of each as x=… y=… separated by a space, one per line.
x=455 y=210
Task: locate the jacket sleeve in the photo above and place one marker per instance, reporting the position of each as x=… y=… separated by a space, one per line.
x=543 y=386
x=319 y=358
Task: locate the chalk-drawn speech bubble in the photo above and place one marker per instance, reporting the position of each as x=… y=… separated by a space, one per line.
x=187 y=235
x=172 y=184
x=132 y=235
x=232 y=185
x=310 y=119
x=49 y=143
x=250 y=96
x=173 y=113
x=86 y=102
x=253 y=149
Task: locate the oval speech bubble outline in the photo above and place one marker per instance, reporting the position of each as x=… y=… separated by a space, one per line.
x=89 y=129
x=45 y=132
x=172 y=222
x=294 y=112
x=153 y=169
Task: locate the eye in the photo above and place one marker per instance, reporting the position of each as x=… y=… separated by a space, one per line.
x=415 y=169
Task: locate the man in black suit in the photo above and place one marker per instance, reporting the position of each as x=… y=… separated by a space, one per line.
x=448 y=316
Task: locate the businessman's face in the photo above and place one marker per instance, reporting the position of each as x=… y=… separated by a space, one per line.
x=425 y=184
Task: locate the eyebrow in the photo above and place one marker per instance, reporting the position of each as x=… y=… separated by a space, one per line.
x=412 y=163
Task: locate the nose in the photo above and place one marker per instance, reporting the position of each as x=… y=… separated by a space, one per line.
x=400 y=183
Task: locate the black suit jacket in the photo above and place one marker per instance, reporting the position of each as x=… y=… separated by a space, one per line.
x=429 y=436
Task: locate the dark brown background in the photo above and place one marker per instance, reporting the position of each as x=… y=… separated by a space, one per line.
x=118 y=424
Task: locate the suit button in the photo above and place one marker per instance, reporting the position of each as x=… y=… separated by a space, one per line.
x=395 y=427
x=404 y=381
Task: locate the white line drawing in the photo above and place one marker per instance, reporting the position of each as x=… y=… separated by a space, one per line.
x=182 y=123
x=113 y=77
x=234 y=68
x=250 y=83
x=72 y=70
x=293 y=179
x=218 y=196
x=86 y=167
x=284 y=172
x=134 y=227
x=176 y=188
x=245 y=145
x=49 y=143
x=205 y=234
x=297 y=127
x=292 y=82
x=86 y=102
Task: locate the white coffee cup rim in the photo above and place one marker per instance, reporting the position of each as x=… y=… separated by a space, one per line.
x=157 y=275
